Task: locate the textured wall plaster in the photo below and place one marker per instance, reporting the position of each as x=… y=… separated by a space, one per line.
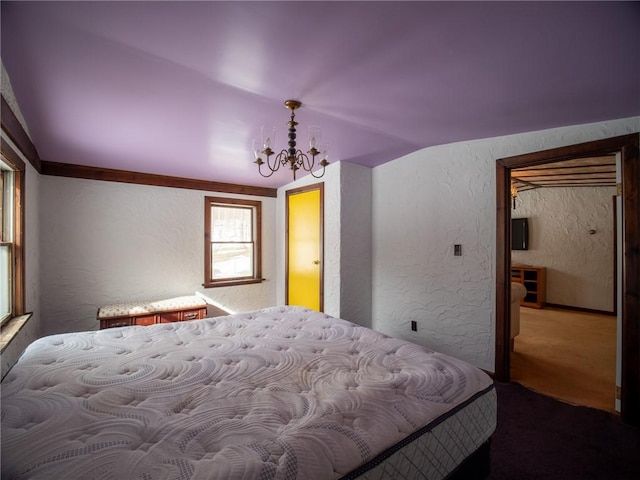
x=105 y=242
x=347 y=240
x=426 y=202
x=32 y=245
x=579 y=264
x=424 y=205
x=355 y=243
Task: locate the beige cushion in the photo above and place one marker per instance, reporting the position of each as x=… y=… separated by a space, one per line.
x=518 y=292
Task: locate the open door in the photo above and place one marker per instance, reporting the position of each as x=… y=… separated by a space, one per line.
x=304 y=247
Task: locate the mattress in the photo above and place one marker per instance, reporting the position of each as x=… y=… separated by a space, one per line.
x=280 y=393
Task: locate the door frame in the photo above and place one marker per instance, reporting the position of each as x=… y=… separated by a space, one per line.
x=627 y=146
x=294 y=191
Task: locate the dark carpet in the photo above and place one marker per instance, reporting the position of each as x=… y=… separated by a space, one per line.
x=539 y=437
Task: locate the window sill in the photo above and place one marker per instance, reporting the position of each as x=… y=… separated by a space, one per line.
x=229 y=283
x=10 y=329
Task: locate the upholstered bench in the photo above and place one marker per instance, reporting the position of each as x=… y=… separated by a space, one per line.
x=177 y=309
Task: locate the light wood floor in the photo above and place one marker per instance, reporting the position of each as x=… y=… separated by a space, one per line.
x=567 y=355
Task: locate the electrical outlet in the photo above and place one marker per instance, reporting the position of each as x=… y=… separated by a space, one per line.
x=414 y=325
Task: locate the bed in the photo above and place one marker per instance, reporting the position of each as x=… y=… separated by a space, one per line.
x=279 y=393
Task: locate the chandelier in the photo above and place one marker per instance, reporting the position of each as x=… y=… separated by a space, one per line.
x=294 y=158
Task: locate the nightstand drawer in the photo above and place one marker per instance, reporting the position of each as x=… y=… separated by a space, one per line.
x=168 y=317
x=115 y=322
x=144 y=320
x=195 y=314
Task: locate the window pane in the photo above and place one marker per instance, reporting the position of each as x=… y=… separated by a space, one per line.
x=2 y=182
x=6 y=206
x=232 y=251
x=232 y=260
x=5 y=285
x=231 y=224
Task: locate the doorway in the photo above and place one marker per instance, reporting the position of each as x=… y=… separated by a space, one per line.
x=304 y=247
x=566 y=347
x=627 y=147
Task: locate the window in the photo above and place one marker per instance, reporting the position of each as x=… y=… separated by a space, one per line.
x=232 y=241
x=11 y=263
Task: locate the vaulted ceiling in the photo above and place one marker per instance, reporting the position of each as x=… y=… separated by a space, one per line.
x=182 y=88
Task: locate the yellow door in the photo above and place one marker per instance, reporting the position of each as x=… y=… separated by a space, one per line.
x=304 y=247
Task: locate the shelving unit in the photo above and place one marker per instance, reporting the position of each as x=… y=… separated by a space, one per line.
x=534 y=280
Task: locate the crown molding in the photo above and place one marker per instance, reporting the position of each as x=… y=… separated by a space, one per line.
x=124 y=176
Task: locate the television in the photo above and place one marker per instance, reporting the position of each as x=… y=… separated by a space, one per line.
x=519 y=234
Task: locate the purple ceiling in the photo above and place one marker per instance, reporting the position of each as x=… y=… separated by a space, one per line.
x=182 y=88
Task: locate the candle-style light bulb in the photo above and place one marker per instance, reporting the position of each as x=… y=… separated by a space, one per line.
x=256 y=148
x=314 y=137
x=324 y=154
x=268 y=137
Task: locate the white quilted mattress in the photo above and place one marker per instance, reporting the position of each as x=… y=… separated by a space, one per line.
x=281 y=393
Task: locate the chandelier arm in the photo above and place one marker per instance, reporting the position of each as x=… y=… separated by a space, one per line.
x=303 y=160
x=281 y=159
x=272 y=166
x=317 y=176
x=260 y=171
x=312 y=164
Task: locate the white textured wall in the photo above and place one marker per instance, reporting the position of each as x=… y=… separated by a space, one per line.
x=579 y=264
x=32 y=246
x=105 y=242
x=426 y=202
x=355 y=243
x=347 y=240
